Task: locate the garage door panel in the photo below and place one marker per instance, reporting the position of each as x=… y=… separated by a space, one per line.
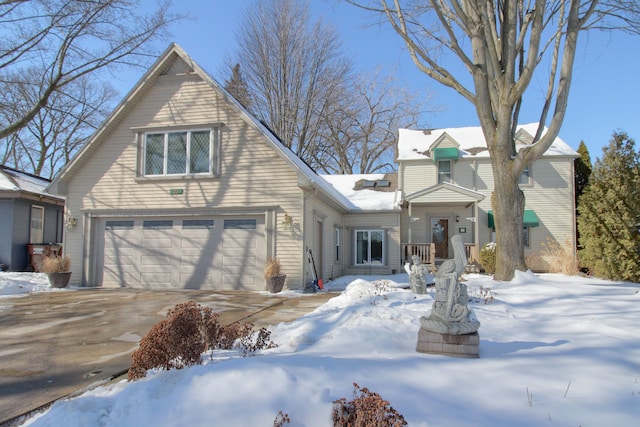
x=156 y=260
x=156 y=242
x=123 y=260
x=189 y=252
x=235 y=261
x=239 y=242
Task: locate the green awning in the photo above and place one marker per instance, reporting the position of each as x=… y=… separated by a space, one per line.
x=450 y=153
x=530 y=219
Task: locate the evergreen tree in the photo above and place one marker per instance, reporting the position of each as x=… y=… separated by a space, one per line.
x=609 y=221
x=582 y=171
x=237 y=87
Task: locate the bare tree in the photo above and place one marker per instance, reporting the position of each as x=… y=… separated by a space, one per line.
x=59 y=129
x=362 y=128
x=48 y=44
x=499 y=46
x=294 y=70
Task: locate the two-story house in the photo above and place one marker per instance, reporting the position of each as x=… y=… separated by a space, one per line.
x=446 y=179
x=183 y=188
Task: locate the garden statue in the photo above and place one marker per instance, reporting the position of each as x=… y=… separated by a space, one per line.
x=419 y=276
x=450 y=316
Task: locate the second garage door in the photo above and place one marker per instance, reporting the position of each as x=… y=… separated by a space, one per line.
x=182 y=252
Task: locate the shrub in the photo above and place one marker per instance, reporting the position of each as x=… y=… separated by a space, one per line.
x=367 y=409
x=188 y=331
x=488 y=257
x=56 y=264
x=272 y=268
x=559 y=258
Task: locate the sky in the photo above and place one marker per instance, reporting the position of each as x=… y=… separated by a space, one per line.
x=603 y=99
x=555 y=350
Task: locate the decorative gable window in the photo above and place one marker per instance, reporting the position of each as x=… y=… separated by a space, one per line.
x=444 y=171
x=188 y=152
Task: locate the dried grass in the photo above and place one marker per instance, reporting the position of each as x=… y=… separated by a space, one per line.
x=367 y=409
x=56 y=264
x=272 y=268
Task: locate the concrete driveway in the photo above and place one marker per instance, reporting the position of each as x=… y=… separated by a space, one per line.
x=57 y=343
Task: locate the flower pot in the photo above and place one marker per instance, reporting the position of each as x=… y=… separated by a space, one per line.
x=275 y=283
x=59 y=280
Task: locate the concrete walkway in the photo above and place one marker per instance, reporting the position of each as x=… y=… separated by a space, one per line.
x=57 y=343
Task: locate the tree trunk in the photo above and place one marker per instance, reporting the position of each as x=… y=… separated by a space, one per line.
x=507 y=202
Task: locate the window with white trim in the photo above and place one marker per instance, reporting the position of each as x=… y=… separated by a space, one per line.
x=525 y=176
x=369 y=247
x=189 y=152
x=525 y=236
x=444 y=171
x=36 y=232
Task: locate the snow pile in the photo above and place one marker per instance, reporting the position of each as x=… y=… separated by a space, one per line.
x=555 y=350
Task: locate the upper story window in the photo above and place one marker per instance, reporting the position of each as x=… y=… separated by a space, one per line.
x=444 y=171
x=525 y=176
x=189 y=152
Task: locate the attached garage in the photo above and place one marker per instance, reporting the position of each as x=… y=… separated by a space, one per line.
x=195 y=252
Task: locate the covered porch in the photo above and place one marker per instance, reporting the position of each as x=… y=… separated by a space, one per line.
x=432 y=216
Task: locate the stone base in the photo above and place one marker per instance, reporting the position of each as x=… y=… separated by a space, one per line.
x=466 y=346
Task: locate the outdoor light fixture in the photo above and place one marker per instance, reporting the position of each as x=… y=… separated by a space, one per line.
x=287 y=222
x=71 y=222
x=457 y=218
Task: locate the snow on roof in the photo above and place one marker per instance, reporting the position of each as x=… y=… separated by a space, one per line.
x=414 y=144
x=363 y=199
x=13 y=180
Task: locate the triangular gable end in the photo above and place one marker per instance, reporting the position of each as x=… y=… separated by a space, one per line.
x=174 y=60
x=444 y=148
x=523 y=137
x=445 y=193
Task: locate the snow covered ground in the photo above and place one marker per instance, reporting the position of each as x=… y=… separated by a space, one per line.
x=555 y=350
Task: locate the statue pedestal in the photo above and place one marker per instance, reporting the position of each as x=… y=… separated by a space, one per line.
x=465 y=346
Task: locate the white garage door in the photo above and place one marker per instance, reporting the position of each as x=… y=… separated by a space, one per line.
x=182 y=253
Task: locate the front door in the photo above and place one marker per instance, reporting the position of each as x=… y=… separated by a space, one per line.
x=440 y=236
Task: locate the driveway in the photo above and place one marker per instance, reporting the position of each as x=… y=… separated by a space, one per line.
x=56 y=343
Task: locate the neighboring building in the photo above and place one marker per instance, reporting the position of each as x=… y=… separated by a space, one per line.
x=447 y=180
x=27 y=215
x=181 y=187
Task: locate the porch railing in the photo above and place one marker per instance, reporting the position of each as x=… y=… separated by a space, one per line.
x=427 y=252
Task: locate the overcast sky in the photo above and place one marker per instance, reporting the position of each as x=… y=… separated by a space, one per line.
x=604 y=95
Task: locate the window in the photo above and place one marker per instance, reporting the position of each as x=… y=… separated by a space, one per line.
x=119 y=225
x=240 y=224
x=36 y=234
x=337 y=244
x=197 y=224
x=157 y=224
x=525 y=236
x=444 y=171
x=525 y=176
x=180 y=153
x=369 y=247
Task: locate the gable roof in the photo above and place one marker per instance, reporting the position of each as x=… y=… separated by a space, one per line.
x=416 y=144
x=164 y=62
x=446 y=193
x=13 y=180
